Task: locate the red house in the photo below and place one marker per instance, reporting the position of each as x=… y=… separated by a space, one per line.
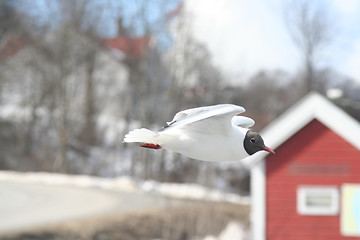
x=310 y=189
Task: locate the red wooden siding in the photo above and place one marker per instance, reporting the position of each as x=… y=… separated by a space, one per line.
x=298 y=162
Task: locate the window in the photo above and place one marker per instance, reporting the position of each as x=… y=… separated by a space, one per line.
x=317 y=200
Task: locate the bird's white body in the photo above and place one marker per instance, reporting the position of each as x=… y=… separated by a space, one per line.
x=211 y=133
x=205 y=145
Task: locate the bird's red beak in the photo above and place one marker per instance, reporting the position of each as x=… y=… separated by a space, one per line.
x=268 y=150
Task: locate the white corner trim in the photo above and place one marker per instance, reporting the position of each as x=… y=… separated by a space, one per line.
x=258 y=203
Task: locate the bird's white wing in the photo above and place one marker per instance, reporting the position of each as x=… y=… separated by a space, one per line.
x=192 y=111
x=209 y=119
x=242 y=121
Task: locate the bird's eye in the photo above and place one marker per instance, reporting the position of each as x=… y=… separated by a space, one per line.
x=252 y=140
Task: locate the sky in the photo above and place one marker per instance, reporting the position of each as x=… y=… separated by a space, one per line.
x=247 y=36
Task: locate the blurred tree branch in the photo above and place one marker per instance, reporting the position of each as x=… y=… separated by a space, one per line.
x=311 y=28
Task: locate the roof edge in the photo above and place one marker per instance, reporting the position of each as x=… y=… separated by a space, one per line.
x=312 y=106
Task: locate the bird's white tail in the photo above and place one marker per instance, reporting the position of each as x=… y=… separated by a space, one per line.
x=141 y=135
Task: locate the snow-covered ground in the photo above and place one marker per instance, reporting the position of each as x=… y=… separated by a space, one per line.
x=125 y=183
x=85 y=185
x=233 y=231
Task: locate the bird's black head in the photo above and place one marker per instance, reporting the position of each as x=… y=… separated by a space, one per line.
x=253 y=143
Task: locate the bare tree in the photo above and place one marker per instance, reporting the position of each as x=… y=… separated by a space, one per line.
x=278 y=91
x=67 y=93
x=311 y=28
x=56 y=72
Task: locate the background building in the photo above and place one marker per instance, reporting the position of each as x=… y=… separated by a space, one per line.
x=310 y=188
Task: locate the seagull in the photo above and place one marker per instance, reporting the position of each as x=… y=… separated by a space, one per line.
x=211 y=133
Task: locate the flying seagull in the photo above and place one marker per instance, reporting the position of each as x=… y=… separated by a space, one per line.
x=212 y=133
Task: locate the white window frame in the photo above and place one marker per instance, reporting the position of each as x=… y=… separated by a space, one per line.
x=303 y=192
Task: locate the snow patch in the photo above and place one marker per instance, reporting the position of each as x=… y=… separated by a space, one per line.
x=125 y=183
x=120 y=183
x=192 y=191
x=234 y=230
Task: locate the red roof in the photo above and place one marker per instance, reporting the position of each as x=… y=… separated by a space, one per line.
x=133 y=48
x=12 y=46
x=174 y=12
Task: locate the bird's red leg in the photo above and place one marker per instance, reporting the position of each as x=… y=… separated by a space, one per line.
x=150 y=145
